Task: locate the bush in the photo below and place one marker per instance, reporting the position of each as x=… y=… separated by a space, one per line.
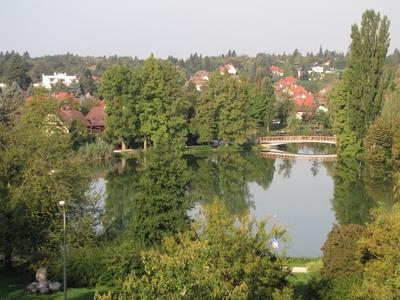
x=222 y=257
x=85 y=265
x=339 y=255
x=330 y=288
x=96 y=151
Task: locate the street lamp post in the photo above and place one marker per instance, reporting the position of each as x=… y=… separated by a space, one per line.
x=62 y=204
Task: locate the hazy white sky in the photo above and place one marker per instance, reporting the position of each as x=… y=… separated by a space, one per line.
x=181 y=27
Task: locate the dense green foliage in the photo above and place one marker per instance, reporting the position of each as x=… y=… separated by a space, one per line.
x=11 y=99
x=38 y=169
x=146 y=103
x=221 y=113
x=357 y=99
x=233 y=260
x=160 y=205
x=339 y=256
x=380 y=276
x=351 y=201
x=122 y=121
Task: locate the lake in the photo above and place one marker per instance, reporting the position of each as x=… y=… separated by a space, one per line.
x=306 y=196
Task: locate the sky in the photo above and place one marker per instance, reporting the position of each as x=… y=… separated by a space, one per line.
x=181 y=27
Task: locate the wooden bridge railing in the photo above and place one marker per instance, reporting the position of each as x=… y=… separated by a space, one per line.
x=297 y=139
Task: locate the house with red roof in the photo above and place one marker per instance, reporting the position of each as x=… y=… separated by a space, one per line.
x=68 y=115
x=284 y=83
x=303 y=99
x=199 y=79
x=276 y=71
x=64 y=97
x=96 y=118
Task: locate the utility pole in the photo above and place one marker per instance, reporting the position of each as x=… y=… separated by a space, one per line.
x=62 y=204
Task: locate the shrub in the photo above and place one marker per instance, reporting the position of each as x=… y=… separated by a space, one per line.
x=96 y=151
x=222 y=257
x=339 y=255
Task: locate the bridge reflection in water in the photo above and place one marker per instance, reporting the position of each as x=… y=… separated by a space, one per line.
x=292 y=156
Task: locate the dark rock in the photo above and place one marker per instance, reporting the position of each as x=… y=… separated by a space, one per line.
x=54 y=286
x=32 y=287
x=44 y=290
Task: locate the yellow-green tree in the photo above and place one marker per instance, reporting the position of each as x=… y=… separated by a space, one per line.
x=222 y=257
x=381 y=273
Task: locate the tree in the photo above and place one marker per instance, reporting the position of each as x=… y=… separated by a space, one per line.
x=285 y=108
x=263 y=106
x=351 y=202
x=119 y=90
x=38 y=168
x=16 y=70
x=378 y=149
x=59 y=87
x=222 y=112
x=381 y=271
x=161 y=203
x=357 y=99
x=11 y=99
x=339 y=257
x=222 y=257
x=87 y=84
x=163 y=109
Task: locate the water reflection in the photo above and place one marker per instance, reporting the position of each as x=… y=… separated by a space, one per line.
x=306 y=196
x=227 y=176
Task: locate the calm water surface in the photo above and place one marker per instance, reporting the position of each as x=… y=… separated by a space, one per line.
x=295 y=193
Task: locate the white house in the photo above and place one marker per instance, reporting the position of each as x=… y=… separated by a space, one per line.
x=49 y=80
x=228 y=68
x=317 y=69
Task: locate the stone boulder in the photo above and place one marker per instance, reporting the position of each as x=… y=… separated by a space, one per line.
x=54 y=286
x=32 y=287
x=44 y=290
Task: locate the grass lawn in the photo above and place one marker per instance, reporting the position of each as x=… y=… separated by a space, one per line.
x=12 y=287
x=300 y=283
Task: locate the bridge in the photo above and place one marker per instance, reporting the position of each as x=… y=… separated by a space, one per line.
x=281 y=140
x=291 y=156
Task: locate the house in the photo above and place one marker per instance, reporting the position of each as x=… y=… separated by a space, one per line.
x=199 y=79
x=49 y=80
x=276 y=71
x=65 y=97
x=2 y=86
x=303 y=99
x=330 y=70
x=230 y=68
x=297 y=90
x=322 y=95
x=303 y=104
x=96 y=118
x=285 y=83
x=317 y=70
x=68 y=115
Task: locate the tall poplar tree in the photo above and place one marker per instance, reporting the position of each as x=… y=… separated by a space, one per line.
x=357 y=99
